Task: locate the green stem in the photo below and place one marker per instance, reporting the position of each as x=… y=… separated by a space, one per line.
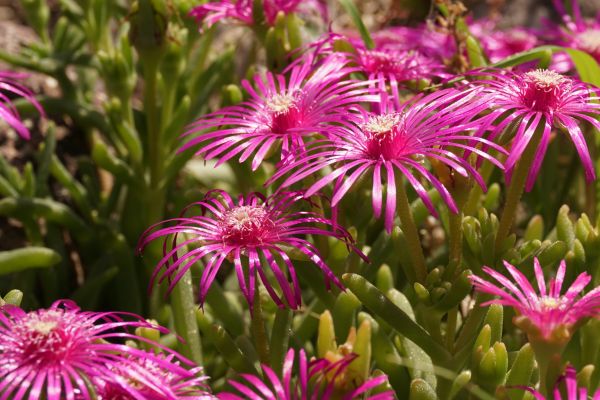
x=152 y=121
x=411 y=234
x=516 y=188
x=451 y=328
x=184 y=316
x=259 y=331
x=476 y=192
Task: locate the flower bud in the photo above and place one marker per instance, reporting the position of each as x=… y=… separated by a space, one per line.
x=13 y=297
x=326 y=338
x=421 y=390
x=535 y=228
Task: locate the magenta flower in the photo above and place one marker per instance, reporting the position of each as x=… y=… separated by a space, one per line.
x=541 y=99
x=390 y=61
x=396 y=140
x=241 y=10
x=577 y=32
x=254 y=232
x=570 y=384
x=398 y=66
x=278 y=113
x=166 y=376
x=549 y=310
x=9 y=87
x=499 y=44
x=431 y=43
x=54 y=353
x=316 y=379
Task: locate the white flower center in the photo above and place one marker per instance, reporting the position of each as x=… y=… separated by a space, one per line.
x=281 y=103
x=44 y=324
x=545 y=79
x=381 y=124
x=242 y=216
x=551 y=303
x=590 y=40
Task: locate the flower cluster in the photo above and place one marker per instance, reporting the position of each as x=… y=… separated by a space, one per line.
x=57 y=353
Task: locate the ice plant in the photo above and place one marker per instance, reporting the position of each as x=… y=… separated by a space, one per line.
x=280 y=112
x=499 y=44
x=242 y=10
x=571 y=390
x=538 y=101
x=166 y=375
x=9 y=88
x=577 y=32
x=393 y=143
x=55 y=353
x=549 y=317
x=315 y=379
x=547 y=310
x=425 y=39
x=255 y=233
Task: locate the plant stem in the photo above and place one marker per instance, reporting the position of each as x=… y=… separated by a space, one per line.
x=451 y=328
x=411 y=234
x=476 y=192
x=259 y=331
x=516 y=188
x=152 y=120
x=184 y=316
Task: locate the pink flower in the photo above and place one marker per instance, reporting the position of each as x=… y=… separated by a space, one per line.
x=254 y=232
x=397 y=66
x=431 y=43
x=540 y=99
x=396 y=140
x=8 y=113
x=166 y=375
x=55 y=353
x=572 y=391
x=316 y=379
x=393 y=60
x=280 y=112
x=577 y=32
x=499 y=44
x=241 y=10
x=549 y=310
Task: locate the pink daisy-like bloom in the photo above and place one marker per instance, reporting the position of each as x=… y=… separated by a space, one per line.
x=241 y=10
x=499 y=44
x=571 y=390
x=547 y=310
x=389 y=62
x=9 y=87
x=577 y=32
x=431 y=43
x=540 y=99
x=280 y=112
x=396 y=140
x=315 y=379
x=55 y=353
x=192 y=385
x=256 y=231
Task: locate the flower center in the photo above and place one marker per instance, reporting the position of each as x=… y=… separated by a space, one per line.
x=280 y=103
x=543 y=89
x=386 y=136
x=551 y=303
x=47 y=336
x=284 y=111
x=246 y=225
x=590 y=42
